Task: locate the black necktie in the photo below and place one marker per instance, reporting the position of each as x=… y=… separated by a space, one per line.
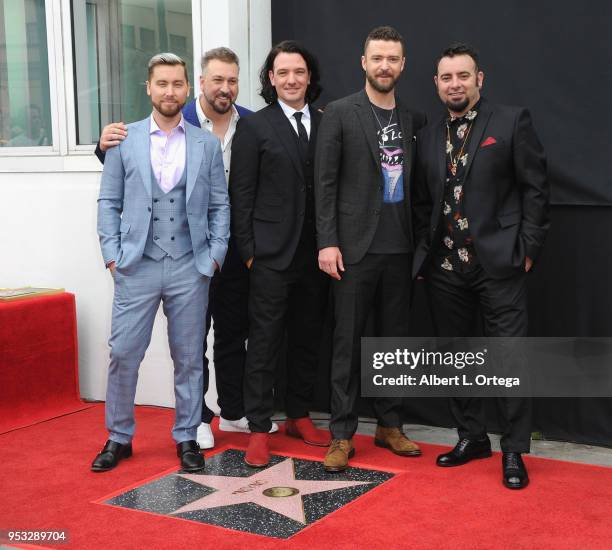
x=302 y=134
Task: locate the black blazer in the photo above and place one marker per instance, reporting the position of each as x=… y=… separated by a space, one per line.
x=267 y=186
x=349 y=182
x=506 y=189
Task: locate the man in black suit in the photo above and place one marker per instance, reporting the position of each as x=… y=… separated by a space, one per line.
x=273 y=226
x=481 y=207
x=364 y=169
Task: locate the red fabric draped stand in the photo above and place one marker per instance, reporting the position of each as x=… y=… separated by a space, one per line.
x=38 y=360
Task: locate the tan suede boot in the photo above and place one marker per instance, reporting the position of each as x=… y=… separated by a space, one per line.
x=394 y=440
x=338 y=454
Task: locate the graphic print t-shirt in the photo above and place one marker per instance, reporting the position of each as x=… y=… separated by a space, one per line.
x=391 y=235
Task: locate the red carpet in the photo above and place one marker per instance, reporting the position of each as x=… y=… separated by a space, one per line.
x=38 y=360
x=46 y=484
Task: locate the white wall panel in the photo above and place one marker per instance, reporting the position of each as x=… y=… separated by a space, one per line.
x=48 y=203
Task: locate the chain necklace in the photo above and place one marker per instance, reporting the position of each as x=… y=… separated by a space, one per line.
x=455 y=161
x=384 y=136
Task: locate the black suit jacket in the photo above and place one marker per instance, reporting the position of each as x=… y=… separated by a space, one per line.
x=349 y=182
x=267 y=186
x=505 y=185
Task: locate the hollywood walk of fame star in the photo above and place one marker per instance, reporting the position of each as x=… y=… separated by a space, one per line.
x=237 y=490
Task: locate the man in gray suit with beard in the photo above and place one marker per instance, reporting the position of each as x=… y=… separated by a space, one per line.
x=163 y=223
x=363 y=174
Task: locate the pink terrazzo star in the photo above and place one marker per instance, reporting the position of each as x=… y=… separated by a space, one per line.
x=238 y=490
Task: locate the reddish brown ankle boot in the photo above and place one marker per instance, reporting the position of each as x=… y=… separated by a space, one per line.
x=258 y=451
x=303 y=428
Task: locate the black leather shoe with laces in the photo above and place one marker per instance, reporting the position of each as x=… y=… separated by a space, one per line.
x=464 y=451
x=515 y=473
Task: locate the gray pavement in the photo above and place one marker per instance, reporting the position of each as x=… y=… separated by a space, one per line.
x=560 y=450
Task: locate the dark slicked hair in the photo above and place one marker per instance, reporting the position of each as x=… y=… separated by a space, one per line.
x=459 y=48
x=268 y=92
x=388 y=34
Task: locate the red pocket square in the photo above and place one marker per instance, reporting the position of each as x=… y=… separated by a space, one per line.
x=489 y=141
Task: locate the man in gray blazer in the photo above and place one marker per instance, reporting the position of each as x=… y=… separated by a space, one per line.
x=163 y=223
x=364 y=170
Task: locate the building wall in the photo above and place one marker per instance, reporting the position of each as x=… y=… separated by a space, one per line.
x=48 y=208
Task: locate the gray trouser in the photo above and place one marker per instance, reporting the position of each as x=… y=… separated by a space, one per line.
x=138 y=292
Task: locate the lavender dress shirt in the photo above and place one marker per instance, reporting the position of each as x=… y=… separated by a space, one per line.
x=168 y=153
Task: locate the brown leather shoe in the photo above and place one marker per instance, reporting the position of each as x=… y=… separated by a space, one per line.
x=338 y=454
x=395 y=440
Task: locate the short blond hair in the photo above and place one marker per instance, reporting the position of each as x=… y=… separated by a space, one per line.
x=167 y=58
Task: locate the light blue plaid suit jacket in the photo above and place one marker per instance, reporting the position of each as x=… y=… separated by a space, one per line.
x=125 y=200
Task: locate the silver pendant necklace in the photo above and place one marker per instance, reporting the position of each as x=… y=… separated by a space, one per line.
x=384 y=136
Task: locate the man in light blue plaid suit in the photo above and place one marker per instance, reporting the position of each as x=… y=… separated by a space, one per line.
x=163 y=223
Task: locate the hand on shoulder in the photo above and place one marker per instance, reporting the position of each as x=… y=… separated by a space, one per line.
x=112 y=134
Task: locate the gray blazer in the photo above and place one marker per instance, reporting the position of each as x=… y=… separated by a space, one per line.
x=348 y=175
x=125 y=201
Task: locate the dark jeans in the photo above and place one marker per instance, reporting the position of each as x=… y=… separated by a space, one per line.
x=228 y=308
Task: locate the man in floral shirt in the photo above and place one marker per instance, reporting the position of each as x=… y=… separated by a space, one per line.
x=456 y=251
x=481 y=211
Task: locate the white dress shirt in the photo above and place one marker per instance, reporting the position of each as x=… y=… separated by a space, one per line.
x=226 y=145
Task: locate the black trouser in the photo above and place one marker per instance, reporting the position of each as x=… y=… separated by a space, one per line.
x=454 y=301
x=380 y=283
x=292 y=300
x=228 y=303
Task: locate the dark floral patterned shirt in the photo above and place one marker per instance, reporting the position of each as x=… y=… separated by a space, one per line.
x=456 y=250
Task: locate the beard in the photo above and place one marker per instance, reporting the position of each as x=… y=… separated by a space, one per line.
x=458 y=106
x=220 y=109
x=382 y=88
x=168 y=109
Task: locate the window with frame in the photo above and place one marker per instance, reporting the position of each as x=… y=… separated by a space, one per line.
x=113 y=41
x=25 y=111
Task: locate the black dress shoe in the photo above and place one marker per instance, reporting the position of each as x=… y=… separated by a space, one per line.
x=190 y=455
x=110 y=456
x=515 y=473
x=464 y=451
